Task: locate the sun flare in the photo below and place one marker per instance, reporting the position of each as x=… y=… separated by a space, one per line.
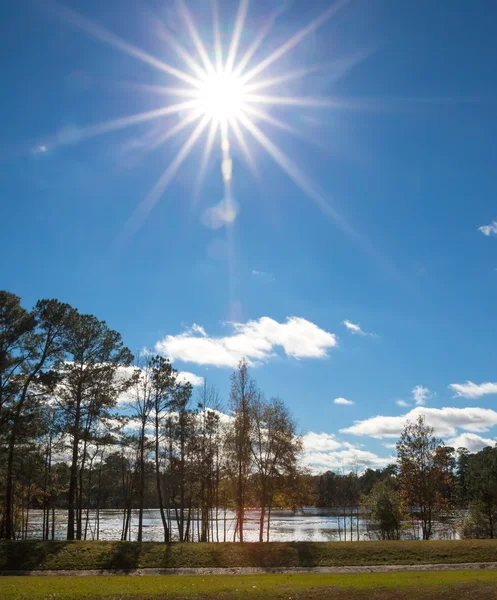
x=222 y=96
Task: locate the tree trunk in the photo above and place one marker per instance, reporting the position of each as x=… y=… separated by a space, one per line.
x=79 y=493
x=261 y=524
x=48 y=481
x=157 y=479
x=99 y=490
x=88 y=499
x=9 y=499
x=141 y=485
x=53 y=521
x=241 y=508
x=269 y=518
x=73 y=481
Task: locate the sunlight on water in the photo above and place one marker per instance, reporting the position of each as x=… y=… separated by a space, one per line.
x=314 y=525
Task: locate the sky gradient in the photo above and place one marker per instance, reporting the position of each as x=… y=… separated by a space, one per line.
x=362 y=291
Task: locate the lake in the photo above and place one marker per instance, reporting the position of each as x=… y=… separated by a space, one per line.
x=312 y=525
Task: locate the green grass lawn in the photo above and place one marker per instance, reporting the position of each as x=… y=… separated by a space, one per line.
x=32 y=555
x=380 y=586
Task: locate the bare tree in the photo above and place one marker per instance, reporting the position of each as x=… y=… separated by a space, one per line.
x=163 y=386
x=143 y=402
x=242 y=396
x=275 y=447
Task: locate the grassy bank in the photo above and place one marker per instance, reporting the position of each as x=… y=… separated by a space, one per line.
x=385 y=586
x=57 y=555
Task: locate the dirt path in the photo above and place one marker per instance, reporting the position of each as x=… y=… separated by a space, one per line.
x=257 y=570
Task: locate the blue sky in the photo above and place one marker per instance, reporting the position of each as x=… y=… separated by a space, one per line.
x=401 y=172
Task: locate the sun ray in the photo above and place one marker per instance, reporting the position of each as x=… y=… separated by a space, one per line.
x=102 y=34
x=162 y=90
x=265 y=83
x=202 y=52
x=229 y=207
x=194 y=116
x=294 y=173
x=225 y=149
x=180 y=51
x=237 y=32
x=349 y=104
x=122 y=122
x=291 y=169
x=264 y=116
x=294 y=40
x=240 y=138
x=209 y=143
x=218 y=49
x=341 y=66
x=300 y=101
x=148 y=203
x=255 y=45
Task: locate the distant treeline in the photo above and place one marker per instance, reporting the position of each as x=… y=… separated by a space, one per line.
x=85 y=426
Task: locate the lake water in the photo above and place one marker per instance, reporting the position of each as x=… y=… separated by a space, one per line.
x=313 y=525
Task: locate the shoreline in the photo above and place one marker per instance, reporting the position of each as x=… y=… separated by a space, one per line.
x=352 y=570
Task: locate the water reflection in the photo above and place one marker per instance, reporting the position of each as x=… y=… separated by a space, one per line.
x=311 y=525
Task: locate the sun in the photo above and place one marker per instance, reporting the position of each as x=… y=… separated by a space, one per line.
x=222 y=96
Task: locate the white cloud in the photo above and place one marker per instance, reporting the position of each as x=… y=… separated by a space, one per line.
x=187 y=377
x=320 y=442
x=343 y=401
x=346 y=459
x=473 y=390
x=199 y=329
x=445 y=421
x=402 y=403
x=471 y=441
x=420 y=395
x=489 y=229
x=129 y=396
x=255 y=341
x=323 y=451
x=354 y=328
x=390 y=446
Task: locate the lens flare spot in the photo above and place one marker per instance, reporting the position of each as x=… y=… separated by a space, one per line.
x=223 y=213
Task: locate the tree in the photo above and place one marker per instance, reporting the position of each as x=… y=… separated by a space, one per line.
x=42 y=347
x=481 y=484
x=275 y=448
x=242 y=396
x=16 y=323
x=463 y=478
x=182 y=447
x=143 y=403
x=208 y=430
x=424 y=473
x=90 y=384
x=163 y=384
x=385 y=511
